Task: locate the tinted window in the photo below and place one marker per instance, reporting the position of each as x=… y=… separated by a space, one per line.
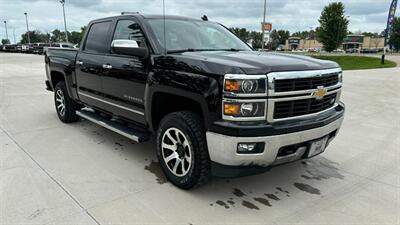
x=130 y=30
x=194 y=34
x=97 y=38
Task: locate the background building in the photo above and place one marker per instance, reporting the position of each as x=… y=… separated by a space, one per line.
x=350 y=42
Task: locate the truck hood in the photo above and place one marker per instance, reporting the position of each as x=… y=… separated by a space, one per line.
x=247 y=62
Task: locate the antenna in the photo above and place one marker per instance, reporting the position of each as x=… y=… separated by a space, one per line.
x=165 y=36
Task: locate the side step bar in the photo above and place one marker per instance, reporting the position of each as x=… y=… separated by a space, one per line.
x=113 y=126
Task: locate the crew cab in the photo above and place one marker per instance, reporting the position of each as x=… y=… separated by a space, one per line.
x=214 y=105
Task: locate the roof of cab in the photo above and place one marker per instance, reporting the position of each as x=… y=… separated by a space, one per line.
x=150 y=16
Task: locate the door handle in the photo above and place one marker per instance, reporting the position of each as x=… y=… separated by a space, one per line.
x=107 y=66
x=79 y=62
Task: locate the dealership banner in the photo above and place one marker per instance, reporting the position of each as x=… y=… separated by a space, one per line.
x=392 y=13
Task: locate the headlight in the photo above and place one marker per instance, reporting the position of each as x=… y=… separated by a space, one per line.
x=341 y=77
x=244 y=84
x=244 y=109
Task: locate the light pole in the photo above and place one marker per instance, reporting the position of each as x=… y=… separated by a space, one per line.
x=263 y=29
x=15 y=40
x=309 y=39
x=65 y=21
x=5 y=24
x=27 y=27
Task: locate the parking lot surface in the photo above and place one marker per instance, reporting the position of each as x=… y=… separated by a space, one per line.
x=53 y=173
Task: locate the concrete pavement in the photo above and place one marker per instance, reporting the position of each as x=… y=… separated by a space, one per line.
x=52 y=173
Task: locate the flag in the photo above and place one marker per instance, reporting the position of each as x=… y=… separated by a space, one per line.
x=389 y=28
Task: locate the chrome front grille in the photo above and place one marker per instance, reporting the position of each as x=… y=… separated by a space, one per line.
x=303 y=107
x=300 y=84
x=291 y=95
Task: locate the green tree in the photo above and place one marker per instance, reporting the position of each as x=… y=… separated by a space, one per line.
x=279 y=37
x=5 y=42
x=242 y=33
x=333 y=26
x=395 y=37
x=35 y=36
x=76 y=37
x=57 y=36
x=256 y=39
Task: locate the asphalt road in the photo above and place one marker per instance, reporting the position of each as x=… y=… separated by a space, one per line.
x=52 y=173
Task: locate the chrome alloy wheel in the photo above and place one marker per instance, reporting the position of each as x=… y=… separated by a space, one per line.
x=60 y=102
x=176 y=152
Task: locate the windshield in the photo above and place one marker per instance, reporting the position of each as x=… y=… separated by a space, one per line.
x=192 y=35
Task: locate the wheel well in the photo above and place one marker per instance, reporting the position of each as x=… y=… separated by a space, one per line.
x=56 y=77
x=164 y=104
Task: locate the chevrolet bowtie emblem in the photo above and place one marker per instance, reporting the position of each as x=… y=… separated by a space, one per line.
x=320 y=93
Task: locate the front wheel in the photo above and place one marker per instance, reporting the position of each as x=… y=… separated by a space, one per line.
x=182 y=150
x=65 y=106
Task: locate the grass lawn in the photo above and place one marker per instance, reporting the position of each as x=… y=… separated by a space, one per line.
x=357 y=62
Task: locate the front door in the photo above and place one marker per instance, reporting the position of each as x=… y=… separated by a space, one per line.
x=124 y=83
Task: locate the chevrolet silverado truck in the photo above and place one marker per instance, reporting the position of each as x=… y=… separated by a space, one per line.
x=214 y=105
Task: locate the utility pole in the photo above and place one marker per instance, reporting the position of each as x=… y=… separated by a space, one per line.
x=309 y=38
x=65 y=21
x=5 y=24
x=27 y=27
x=263 y=30
x=15 y=40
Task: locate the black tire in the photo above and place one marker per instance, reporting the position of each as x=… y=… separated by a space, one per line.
x=68 y=115
x=190 y=126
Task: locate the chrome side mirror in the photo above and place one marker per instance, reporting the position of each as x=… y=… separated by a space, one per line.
x=128 y=47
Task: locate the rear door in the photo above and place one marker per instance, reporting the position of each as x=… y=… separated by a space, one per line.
x=125 y=81
x=89 y=63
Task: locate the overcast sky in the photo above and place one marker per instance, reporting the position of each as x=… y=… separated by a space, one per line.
x=293 y=15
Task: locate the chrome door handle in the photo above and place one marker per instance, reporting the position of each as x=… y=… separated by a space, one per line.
x=107 y=66
x=79 y=62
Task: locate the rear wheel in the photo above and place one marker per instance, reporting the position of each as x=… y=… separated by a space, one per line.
x=182 y=150
x=65 y=106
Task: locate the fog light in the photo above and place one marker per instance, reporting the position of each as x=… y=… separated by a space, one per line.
x=250 y=148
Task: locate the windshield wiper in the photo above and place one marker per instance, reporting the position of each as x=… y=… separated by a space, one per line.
x=203 y=50
x=184 y=50
x=230 y=50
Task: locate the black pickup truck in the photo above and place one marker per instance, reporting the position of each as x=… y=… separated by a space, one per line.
x=214 y=105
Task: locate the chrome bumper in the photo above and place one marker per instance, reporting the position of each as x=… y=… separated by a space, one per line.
x=223 y=149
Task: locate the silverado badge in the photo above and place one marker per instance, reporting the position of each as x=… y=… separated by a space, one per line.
x=320 y=93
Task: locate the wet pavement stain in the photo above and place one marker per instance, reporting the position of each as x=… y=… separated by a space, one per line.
x=321 y=169
x=238 y=193
x=263 y=201
x=221 y=203
x=155 y=168
x=36 y=214
x=232 y=203
x=281 y=190
x=119 y=144
x=307 y=188
x=272 y=196
x=249 y=205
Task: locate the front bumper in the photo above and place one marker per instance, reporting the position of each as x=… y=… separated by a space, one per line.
x=223 y=148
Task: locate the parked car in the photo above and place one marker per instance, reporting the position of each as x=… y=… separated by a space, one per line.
x=369 y=50
x=339 y=51
x=10 y=48
x=214 y=106
x=38 y=48
x=352 y=50
x=59 y=45
x=27 y=48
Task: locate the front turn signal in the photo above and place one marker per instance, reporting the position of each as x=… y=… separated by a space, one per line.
x=231 y=109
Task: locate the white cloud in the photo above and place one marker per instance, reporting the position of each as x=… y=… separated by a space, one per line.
x=293 y=15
